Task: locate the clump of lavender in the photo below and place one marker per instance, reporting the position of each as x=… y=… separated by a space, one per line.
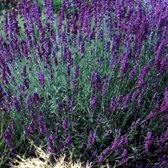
x=69 y=80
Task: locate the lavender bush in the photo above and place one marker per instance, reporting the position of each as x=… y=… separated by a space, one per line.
x=91 y=80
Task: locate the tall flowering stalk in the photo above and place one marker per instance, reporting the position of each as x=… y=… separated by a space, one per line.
x=50 y=143
x=149 y=141
x=8 y=136
x=41 y=123
x=91 y=139
x=164 y=105
x=41 y=79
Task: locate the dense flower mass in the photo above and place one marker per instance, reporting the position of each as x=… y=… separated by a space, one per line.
x=91 y=78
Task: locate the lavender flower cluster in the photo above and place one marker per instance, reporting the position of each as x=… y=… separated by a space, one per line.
x=91 y=79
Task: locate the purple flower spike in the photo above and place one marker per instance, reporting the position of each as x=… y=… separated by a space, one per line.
x=56 y=127
x=91 y=139
x=132 y=72
x=50 y=143
x=41 y=79
x=164 y=105
x=124 y=63
x=41 y=124
x=28 y=102
x=148 y=141
x=104 y=86
x=143 y=72
x=75 y=76
x=124 y=157
x=103 y=154
x=24 y=71
x=7 y=137
x=68 y=140
x=115 y=143
x=112 y=105
x=35 y=98
x=16 y=104
x=126 y=101
x=64 y=124
x=69 y=57
x=162 y=139
x=93 y=102
x=29 y=129
x=95 y=82
x=59 y=105
x=68 y=71
x=76 y=72
x=68 y=102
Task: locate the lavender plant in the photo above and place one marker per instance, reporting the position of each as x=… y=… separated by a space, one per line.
x=91 y=79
